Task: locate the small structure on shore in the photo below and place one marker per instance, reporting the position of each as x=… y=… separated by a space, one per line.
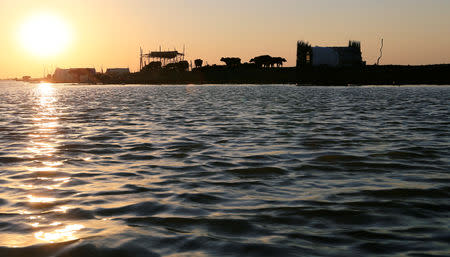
x=74 y=75
x=349 y=56
x=164 y=57
x=114 y=72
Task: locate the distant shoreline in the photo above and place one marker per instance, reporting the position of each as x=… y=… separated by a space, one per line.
x=325 y=76
x=438 y=74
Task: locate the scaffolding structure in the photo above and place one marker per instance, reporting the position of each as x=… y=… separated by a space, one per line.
x=164 y=57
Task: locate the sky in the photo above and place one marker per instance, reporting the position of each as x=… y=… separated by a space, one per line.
x=109 y=33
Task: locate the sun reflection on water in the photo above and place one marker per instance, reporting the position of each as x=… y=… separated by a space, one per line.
x=46 y=88
x=34 y=199
x=46 y=174
x=64 y=234
x=62 y=209
x=43 y=169
x=42 y=148
x=53 y=164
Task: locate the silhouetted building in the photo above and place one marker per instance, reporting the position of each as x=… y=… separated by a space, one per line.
x=74 y=75
x=349 y=56
x=164 y=57
x=117 y=71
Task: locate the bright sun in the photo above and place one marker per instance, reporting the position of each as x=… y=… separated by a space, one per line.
x=44 y=35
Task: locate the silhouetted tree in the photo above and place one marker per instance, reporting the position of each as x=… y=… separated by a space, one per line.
x=178 y=66
x=152 y=66
x=183 y=65
x=198 y=63
x=170 y=66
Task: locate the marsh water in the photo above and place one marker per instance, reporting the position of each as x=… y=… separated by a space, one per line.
x=229 y=170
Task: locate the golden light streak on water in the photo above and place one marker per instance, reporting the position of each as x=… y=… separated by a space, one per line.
x=44 y=143
x=34 y=217
x=52 y=164
x=26 y=186
x=42 y=148
x=62 y=209
x=23 y=212
x=65 y=234
x=63 y=180
x=45 y=88
x=43 y=169
x=34 y=199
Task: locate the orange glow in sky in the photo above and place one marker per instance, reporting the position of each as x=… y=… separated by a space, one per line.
x=104 y=33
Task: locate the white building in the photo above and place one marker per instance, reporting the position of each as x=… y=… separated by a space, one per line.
x=74 y=75
x=325 y=56
x=347 y=56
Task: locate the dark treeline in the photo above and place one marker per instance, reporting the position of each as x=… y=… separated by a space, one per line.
x=215 y=74
x=252 y=73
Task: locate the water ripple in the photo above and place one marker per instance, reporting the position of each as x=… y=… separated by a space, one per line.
x=241 y=170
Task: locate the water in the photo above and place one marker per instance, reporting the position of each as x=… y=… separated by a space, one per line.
x=268 y=170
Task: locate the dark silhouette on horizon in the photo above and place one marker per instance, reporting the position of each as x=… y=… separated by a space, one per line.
x=266 y=61
x=153 y=66
x=231 y=61
x=156 y=66
x=198 y=63
x=340 y=65
x=329 y=56
x=278 y=61
x=178 y=66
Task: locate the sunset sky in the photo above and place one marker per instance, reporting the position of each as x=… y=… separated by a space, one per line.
x=108 y=33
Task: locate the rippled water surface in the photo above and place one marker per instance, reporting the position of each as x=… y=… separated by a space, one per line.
x=224 y=170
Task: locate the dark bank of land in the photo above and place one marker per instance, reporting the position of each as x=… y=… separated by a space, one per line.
x=335 y=65
x=363 y=75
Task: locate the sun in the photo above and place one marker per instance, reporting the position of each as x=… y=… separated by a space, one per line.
x=44 y=35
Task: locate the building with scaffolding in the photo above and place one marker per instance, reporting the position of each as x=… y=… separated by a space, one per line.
x=163 y=58
x=347 y=56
